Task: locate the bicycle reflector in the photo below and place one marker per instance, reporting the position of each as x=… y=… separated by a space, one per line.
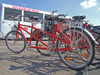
x=86 y=24
x=17 y=35
x=83 y=54
x=39 y=45
x=67 y=58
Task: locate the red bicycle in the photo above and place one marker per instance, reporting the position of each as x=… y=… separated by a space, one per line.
x=71 y=43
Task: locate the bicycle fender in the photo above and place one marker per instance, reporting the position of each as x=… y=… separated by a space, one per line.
x=91 y=36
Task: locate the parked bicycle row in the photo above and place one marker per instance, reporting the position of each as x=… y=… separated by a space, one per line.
x=74 y=44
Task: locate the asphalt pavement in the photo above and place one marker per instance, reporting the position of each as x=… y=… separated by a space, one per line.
x=33 y=63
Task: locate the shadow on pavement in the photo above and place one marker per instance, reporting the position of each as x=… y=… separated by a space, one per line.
x=34 y=64
x=38 y=64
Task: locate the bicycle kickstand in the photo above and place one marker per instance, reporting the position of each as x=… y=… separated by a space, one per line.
x=51 y=59
x=86 y=67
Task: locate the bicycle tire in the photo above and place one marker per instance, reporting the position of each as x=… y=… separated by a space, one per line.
x=16 y=46
x=75 y=59
x=97 y=49
x=46 y=39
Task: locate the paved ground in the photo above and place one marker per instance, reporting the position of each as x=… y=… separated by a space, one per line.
x=33 y=63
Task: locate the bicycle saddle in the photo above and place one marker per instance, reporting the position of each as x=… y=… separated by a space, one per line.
x=49 y=17
x=52 y=18
x=96 y=27
x=79 y=17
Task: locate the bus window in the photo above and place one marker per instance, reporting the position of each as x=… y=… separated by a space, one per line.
x=26 y=13
x=9 y=12
x=47 y=25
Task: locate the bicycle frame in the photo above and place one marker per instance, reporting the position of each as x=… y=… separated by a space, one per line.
x=20 y=28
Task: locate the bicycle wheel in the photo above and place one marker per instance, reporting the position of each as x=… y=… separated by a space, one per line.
x=45 y=38
x=78 y=58
x=15 y=43
x=97 y=48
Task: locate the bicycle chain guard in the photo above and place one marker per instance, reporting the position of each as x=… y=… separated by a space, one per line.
x=51 y=48
x=28 y=46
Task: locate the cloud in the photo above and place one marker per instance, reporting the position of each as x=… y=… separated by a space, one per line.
x=88 y=3
x=97 y=20
x=24 y=4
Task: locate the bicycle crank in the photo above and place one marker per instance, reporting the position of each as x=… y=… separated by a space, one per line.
x=51 y=48
x=28 y=46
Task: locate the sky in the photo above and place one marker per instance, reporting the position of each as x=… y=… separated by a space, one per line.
x=89 y=8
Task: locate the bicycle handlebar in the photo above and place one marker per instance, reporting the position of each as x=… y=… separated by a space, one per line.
x=54 y=11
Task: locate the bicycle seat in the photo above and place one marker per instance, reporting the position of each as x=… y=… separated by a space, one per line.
x=34 y=18
x=97 y=27
x=79 y=17
x=60 y=17
x=48 y=17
